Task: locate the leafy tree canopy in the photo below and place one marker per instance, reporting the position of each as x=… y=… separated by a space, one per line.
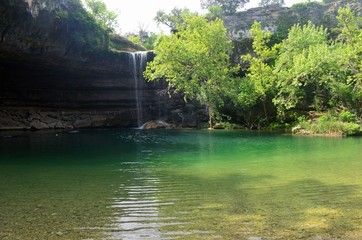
x=260 y=75
x=229 y=7
x=306 y=70
x=351 y=38
x=299 y=67
x=147 y=41
x=195 y=61
x=105 y=18
x=265 y=3
x=214 y=12
x=173 y=19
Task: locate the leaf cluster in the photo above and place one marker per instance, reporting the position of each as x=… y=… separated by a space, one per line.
x=105 y=18
x=306 y=71
x=195 y=60
x=228 y=7
x=266 y=3
x=173 y=19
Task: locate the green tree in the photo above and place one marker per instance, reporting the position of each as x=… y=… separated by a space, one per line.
x=351 y=38
x=174 y=18
x=105 y=18
x=260 y=72
x=229 y=7
x=214 y=12
x=330 y=1
x=134 y=38
x=148 y=41
x=307 y=69
x=195 y=61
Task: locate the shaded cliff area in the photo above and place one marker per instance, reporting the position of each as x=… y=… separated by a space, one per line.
x=59 y=69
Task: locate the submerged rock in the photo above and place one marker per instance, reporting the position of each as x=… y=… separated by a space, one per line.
x=156 y=124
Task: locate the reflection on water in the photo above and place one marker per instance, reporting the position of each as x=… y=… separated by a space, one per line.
x=137 y=211
x=133 y=184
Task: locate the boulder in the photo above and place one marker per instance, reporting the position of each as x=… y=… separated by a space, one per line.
x=156 y=124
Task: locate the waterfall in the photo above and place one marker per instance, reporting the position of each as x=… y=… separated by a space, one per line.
x=139 y=61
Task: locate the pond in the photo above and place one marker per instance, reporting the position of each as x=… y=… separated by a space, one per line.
x=140 y=184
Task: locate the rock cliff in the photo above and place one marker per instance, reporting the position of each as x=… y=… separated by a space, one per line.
x=58 y=70
x=274 y=18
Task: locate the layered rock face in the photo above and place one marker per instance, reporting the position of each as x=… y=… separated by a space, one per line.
x=275 y=18
x=57 y=71
x=35 y=95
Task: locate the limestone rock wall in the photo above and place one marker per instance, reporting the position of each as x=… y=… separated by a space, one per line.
x=239 y=24
x=57 y=71
x=275 y=17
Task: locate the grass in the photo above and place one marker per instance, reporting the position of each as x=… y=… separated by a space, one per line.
x=330 y=123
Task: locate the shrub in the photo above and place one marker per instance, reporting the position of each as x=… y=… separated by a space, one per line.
x=330 y=123
x=346 y=116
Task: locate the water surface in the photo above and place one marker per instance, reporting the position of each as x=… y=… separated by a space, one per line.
x=137 y=184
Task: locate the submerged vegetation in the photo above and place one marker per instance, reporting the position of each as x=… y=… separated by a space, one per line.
x=308 y=71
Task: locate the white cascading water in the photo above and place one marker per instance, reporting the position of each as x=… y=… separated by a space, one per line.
x=139 y=61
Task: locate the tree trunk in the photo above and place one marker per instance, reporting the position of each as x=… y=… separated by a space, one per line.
x=211 y=125
x=265 y=111
x=211 y=116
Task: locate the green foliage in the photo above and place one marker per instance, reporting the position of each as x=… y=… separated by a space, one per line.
x=92 y=36
x=331 y=123
x=304 y=9
x=105 y=18
x=214 y=13
x=244 y=96
x=347 y=116
x=260 y=75
x=304 y=72
x=148 y=41
x=195 y=61
x=135 y=39
x=284 y=23
x=266 y=3
x=305 y=6
x=227 y=126
x=330 y=1
x=119 y=43
x=351 y=38
x=173 y=19
x=305 y=67
x=229 y=7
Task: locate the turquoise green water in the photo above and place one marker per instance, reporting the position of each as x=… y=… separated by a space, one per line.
x=134 y=184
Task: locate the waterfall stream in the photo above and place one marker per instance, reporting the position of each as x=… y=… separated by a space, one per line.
x=139 y=61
